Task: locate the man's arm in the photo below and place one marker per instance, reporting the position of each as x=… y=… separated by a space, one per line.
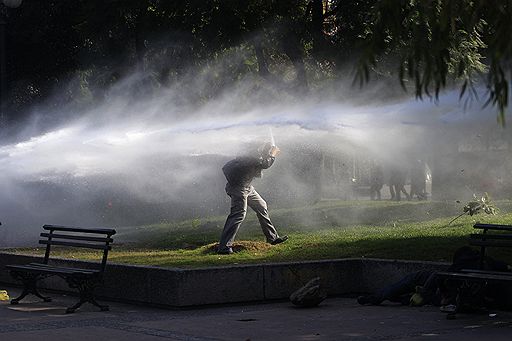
x=268 y=161
x=270 y=158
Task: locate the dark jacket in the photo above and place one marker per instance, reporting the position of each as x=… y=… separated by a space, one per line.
x=242 y=170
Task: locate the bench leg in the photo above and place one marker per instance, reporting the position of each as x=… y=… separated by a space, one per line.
x=86 y=291
x=29 y=281
x=91 y=300
x=470 y=298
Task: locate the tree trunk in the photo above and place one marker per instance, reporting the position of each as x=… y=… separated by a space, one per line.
x=140 y=46
x=260 y=57
x=291 y=46
x=317 y=22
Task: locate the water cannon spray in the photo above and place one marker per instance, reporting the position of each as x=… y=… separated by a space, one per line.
x=274 y=150
x=272 y=141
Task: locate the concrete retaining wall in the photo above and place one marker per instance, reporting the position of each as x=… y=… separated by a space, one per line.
x=229 y=284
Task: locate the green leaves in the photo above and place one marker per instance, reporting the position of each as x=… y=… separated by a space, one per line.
x=478 y=205
x=444 y=39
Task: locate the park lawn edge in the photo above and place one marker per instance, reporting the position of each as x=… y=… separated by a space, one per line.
x=430 y=240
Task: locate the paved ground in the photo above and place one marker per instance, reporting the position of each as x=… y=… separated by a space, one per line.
x=334 y=319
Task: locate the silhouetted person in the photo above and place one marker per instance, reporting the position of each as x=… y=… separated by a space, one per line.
x=422 y=282
x=491 y=294
x=424 y=287
x=397 y=184
x=240 y=172
x=376 y=182
x=418 y=180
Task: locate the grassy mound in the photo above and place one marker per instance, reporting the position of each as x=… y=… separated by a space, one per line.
x=332 y=229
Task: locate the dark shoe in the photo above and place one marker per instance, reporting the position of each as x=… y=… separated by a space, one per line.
x=226 y=251
x=368 y=300
x=279 y=240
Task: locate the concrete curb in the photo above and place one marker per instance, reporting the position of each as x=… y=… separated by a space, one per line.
x=229 y=284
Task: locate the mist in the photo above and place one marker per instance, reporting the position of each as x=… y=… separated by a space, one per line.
x=141 y=158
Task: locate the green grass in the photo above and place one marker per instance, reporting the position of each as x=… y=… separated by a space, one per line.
x=329 y=229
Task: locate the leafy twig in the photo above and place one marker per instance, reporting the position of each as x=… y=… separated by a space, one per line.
x=476 y=205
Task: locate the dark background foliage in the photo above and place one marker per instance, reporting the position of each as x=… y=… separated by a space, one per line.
x=85 y=46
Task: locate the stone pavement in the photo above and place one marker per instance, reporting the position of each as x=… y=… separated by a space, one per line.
x=334 y=319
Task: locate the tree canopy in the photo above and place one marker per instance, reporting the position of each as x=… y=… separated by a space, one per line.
x=437 y=39
x=426 y=45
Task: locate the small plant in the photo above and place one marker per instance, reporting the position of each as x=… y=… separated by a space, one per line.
x=477 y=205
x=196 y=222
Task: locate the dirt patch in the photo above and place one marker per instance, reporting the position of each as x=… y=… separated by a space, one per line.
x=240 y=246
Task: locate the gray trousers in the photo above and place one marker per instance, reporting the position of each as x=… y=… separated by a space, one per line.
x=241 y=197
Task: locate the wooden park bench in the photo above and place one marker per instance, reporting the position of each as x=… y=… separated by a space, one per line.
x=83 y=279
x=490 y=236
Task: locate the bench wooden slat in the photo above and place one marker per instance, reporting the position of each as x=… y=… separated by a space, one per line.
x=496 y=243
x=38 y=266
x=493 y=227
x=67 y=236
x=37 y=269
x=78 y=229
x=476 y=276
x=501 y=273
x=84 y=245
x=51 y=270
x=41 y=265
x=482 y=236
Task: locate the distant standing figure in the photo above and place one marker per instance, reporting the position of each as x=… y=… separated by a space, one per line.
x=239 y=173
x=397 y=184
x=376 y=182
x=418 y=180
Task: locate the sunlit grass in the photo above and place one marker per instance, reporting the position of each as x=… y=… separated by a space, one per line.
x=414 y=231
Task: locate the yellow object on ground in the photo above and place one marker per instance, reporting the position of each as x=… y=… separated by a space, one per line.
x=416 y=300
x=4 y=296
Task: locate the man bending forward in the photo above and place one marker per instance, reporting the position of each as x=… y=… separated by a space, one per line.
x=240 y=172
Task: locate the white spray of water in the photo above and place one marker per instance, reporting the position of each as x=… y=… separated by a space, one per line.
x=272 y=141
x=153 y=151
